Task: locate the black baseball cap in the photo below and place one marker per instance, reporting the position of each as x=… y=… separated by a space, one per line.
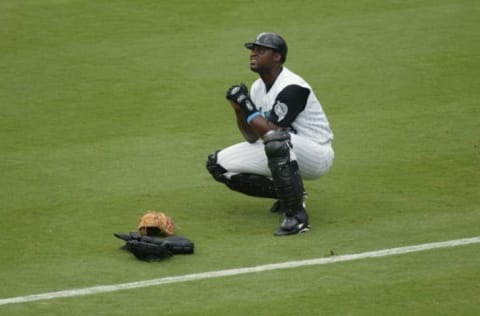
x=270 y=40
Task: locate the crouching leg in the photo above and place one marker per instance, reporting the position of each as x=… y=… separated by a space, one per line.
x=287 y=182
x=246 y=183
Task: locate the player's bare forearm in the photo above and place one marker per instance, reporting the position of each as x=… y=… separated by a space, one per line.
x=258 y=127
x=246 y=130
x=261 y=126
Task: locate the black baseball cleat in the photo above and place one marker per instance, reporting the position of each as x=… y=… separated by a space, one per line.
x=294 y=225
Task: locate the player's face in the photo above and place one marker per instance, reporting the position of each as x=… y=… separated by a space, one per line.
x=261 y=59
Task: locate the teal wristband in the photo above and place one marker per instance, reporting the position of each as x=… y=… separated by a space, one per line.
x=252 y=116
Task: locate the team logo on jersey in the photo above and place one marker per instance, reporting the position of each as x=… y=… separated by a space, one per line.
x=281 y=110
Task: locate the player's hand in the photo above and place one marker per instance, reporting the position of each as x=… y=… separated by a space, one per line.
x=235 y=106
x=237 y=93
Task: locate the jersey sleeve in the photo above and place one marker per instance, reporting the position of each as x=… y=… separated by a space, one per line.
x=289 y=103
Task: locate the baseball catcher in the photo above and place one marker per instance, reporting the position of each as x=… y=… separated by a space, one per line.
x=288 y=137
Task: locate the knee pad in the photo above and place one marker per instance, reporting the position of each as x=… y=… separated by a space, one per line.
x=216 y=170
x=277 y=148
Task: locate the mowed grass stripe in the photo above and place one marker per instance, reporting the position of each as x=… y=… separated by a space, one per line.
x=239 y=271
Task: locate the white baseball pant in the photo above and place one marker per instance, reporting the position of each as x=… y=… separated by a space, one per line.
x=314 y=160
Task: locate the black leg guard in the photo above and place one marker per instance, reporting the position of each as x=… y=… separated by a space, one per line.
x=253 y=185
x=249 y=184
x=286 y=177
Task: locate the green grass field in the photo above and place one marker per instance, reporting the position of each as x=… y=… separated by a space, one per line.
x=110 y=108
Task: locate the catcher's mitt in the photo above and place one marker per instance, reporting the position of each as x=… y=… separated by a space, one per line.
x=156 y=223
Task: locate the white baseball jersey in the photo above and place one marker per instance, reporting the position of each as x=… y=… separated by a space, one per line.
x=289 y=103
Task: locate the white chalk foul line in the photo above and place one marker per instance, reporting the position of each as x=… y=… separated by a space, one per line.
x=233 y=272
